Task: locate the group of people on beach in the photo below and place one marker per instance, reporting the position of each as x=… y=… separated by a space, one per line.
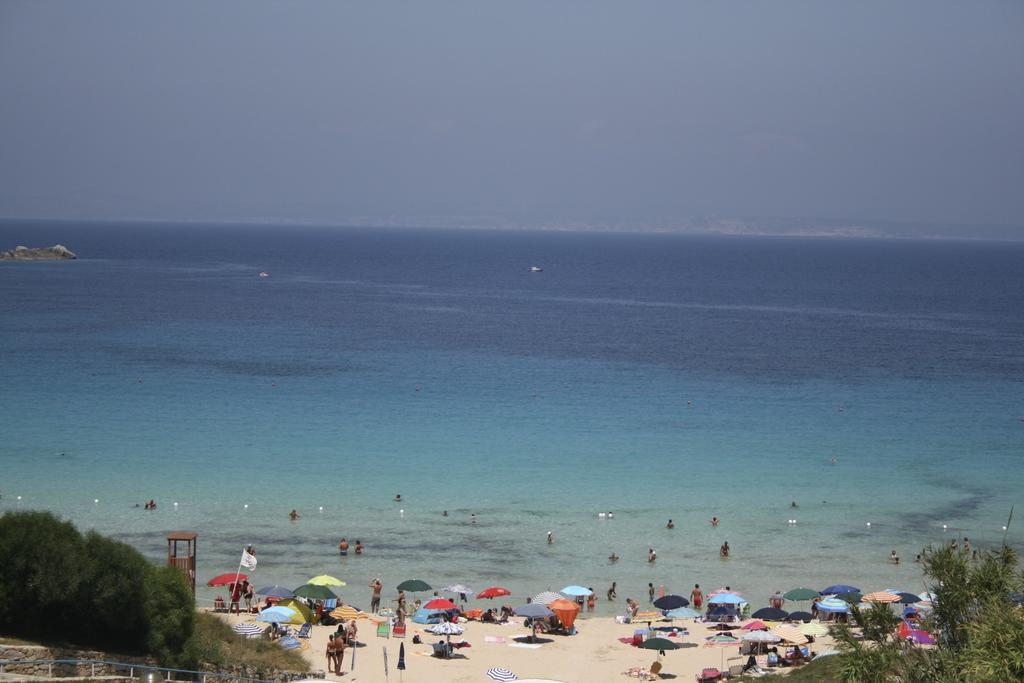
x=344 y=637
x=343 y=547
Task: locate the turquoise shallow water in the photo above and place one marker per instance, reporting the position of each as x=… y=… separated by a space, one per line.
x=654 y=376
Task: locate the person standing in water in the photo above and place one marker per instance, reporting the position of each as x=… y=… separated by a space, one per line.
x=696 y=596
x=376 y=585
x=611 y=591
x=343 y=546
x=724 y=550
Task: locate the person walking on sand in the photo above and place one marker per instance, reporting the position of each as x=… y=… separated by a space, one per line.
x=376 y=585
x=696 y=596
x=611 y=592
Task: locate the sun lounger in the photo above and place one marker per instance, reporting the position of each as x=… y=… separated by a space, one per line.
x=398 y=631
x=383 y=629
x=304 y=631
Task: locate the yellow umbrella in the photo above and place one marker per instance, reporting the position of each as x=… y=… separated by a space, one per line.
x=881 y=596
x=326 y=580
x=813 y=629
x=789 y=633
x=348 y=612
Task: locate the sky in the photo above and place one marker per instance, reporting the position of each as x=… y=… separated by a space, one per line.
x=535 y=112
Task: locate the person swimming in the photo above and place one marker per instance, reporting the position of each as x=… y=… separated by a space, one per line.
x=670 y=525
x=613 y=557
x=398 y=497
x=714 y=521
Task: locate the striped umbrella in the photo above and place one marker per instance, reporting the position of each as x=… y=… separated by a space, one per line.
x=547 y=597
x=789 y=633
x=248 y=629
x=347 y=613
x=881 y=596
x=721 y=640
x=499 y=674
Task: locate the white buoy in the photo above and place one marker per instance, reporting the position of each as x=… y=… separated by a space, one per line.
x=19 y=499
x=246 y=506
x=175 y=503
x=402 y=512
x=96 y=501
x=1004 y=527
x=944 y=527
x=600 y=514
x=869 y=523
x=321 y=508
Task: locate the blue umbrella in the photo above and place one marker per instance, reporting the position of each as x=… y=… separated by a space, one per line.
x=276 y=615
x=771 y=614
x=276 y=591
x=682 y=613
x=840 y=588
x=726 y=599
x=577 y=591
x=833 y=605
x=533 y=610
x=401 y=657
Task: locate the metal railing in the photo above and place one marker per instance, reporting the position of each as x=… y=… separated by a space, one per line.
x=149 y=674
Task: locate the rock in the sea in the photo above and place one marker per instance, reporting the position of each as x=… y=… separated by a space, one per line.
x=56 y=252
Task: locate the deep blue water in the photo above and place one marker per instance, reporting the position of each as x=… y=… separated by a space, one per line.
x=654 y=375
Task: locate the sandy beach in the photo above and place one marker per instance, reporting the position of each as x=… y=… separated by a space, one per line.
x=595 y=653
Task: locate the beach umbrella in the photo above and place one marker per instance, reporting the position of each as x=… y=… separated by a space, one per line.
x=800 y=616
x=566 y=611
x=446 y=628
x=789 y=633
x=457 y=589
x=313 y=592
x=326 y=580
x=771 y=614
x=755 y=625
x=440 y=603
x=907 y=598
x=721 y=640
x=248 y=629
x=575 y=591
x=493 y=592
x=501 y=675
x=760 y=637
x=648 y=616
x=533 y=610
x=347 y=613
x=813 y=629
x=726 y=599
x=547 y=597
x=413 y=586
x=660 y=644
x=276 y=591
x=682 y=613
x=401 y=658
x=671 y=602
x=882 y=597
x=722 y=611
x=850 y=598
x=722 y=591
x=840 y=588
x=800 y=594
x=833 y=605
x=227 y=579
x=277 y=615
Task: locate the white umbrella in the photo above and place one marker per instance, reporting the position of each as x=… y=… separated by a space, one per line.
x=501 y=675
x=760 y=637
x=458 y=588
x=446 y=628
x=547 y=597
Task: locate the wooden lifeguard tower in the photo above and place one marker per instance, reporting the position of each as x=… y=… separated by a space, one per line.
x=185 y=560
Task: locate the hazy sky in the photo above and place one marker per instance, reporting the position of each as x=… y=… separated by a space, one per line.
x=618 y=111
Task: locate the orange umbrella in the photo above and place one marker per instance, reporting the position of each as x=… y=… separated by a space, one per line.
x=566 y=611
x=881 y=596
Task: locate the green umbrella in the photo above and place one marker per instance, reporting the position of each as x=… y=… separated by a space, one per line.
x=800 y=594
x=314 y=592
x=413 y=586
x=659 y=644
x=852 y=598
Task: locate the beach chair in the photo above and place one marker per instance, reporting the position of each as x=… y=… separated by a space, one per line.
x=304 y=631
x=383 y=630
x=398 y=631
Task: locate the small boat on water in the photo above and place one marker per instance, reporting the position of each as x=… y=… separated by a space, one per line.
x=536 y=269
x=264 y=273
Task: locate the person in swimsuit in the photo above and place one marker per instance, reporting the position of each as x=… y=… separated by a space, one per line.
x=343 y=546
x=398 y=497
x=293 y=515
x=670 y=525
x=611 y=592
x=714 y=521
x=359 y=547
x=724 y=550
x=696 y=596
x=376 y=585
x=650 y=592
x=551 y=538
x=613 y=557
x=651 y=555
x=591 y=600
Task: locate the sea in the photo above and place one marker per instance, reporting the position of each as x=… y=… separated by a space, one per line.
x=875 y=385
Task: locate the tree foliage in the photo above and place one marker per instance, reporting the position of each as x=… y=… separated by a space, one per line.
x=979 y=632
x=61 y=586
